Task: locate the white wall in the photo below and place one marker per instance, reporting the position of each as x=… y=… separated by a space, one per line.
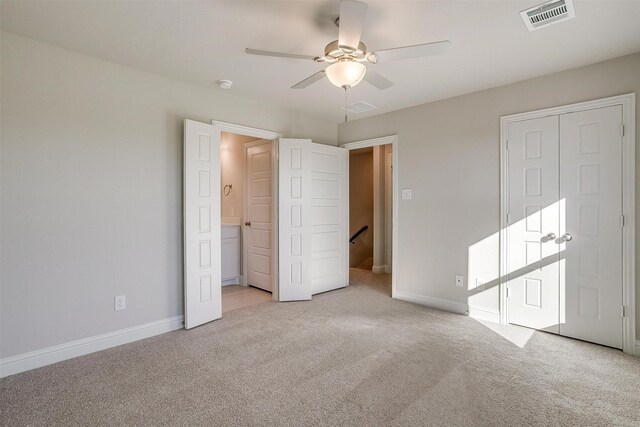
x=91 y=182
x=449 y=155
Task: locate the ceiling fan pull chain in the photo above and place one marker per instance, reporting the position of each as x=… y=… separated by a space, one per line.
x=345 y=105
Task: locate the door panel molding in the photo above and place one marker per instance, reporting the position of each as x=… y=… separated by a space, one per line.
x=627 y=101
x=294 y=174
x=202 y=231
x=249 y=249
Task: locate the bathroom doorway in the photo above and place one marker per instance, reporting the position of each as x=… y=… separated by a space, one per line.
x=247 y=207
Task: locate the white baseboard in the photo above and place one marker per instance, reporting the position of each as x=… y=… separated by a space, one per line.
x=232 y=281
x=439 y=303
x=377 y=269
x=484 y=313
x=46 y=356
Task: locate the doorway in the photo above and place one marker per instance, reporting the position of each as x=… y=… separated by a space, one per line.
x=566 y=180
x=371 y=213
x=246 y=202
x=305 y=204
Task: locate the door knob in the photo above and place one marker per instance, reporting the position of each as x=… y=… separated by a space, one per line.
x=247 y=223
x=548 y=237
x=566 y=237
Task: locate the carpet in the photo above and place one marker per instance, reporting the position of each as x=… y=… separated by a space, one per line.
x=348 y=357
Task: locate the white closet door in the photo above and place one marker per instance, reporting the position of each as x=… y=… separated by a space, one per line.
x=258 y=224
x=202 y=245
x=534 y=208
x=294 y=227
x=329 y=217
x=591 y=186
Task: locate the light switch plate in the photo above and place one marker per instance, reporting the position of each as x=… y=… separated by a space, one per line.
x=459 y=281
x=406 y=194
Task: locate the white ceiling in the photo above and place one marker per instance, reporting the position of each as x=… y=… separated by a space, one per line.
x=201 y=42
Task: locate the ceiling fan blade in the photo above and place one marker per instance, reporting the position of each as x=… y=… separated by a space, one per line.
x=377 y=80
x=415 y=51
x=309 y=80
x=352 y=14
x=278 y=54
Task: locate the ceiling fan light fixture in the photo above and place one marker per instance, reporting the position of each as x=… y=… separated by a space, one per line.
x=346 y=74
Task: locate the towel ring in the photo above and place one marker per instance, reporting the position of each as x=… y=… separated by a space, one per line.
x=227 y=189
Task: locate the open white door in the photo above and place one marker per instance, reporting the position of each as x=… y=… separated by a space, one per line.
x=202 y=245
x=294 y=211
x=329 y=218
x=257 y=231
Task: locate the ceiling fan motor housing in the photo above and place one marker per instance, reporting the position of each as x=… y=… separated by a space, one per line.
x=334 y=52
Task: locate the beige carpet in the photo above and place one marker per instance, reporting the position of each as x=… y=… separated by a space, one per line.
x=349 y=357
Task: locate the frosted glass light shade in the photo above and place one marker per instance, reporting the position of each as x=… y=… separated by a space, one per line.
x=346 y=74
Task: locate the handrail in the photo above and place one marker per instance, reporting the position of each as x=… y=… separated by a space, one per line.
x=359 y=232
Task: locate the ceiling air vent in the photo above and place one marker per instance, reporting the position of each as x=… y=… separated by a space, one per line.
x=548 y=13
x=359 y=107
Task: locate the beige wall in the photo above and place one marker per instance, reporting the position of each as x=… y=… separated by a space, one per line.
x=448 y=153
x=91 y=190
x=232 y=171
x=361 y=205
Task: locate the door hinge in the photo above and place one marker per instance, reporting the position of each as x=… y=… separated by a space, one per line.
x=623 y=311
x=508 y=291
x=508 y=218
x=621 y=220
x=622 y=129
x=507 y=145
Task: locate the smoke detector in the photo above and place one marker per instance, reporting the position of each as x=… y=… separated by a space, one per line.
x=548 y=13
x=224 y=84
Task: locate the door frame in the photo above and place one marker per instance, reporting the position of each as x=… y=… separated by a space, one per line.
x=393 y=140
x=273 y=137
x=274 y=210
x=627 y=101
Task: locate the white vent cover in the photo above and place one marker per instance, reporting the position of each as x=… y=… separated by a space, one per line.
x=548 y=13
x=359 y=107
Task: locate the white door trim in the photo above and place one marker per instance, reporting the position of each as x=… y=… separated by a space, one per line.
x=246 y=130
x=273 y=136
x=627 y=102
x=393 y=140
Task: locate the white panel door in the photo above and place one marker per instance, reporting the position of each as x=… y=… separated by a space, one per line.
x=329 y=217
x=202 y=272
x=258 y=223
x=534 y=208
x=294 y=219
x=591 y=186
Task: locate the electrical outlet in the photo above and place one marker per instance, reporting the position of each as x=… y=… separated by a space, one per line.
x=459 y=281
x=120 y=302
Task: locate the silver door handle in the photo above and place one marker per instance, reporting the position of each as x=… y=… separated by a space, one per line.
x=548 y=237
x=566 y=237
x=248 y=223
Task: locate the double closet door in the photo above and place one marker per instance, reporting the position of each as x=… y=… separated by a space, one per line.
x=564 y=234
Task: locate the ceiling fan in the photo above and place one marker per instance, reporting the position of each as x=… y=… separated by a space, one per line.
x=347 y=55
